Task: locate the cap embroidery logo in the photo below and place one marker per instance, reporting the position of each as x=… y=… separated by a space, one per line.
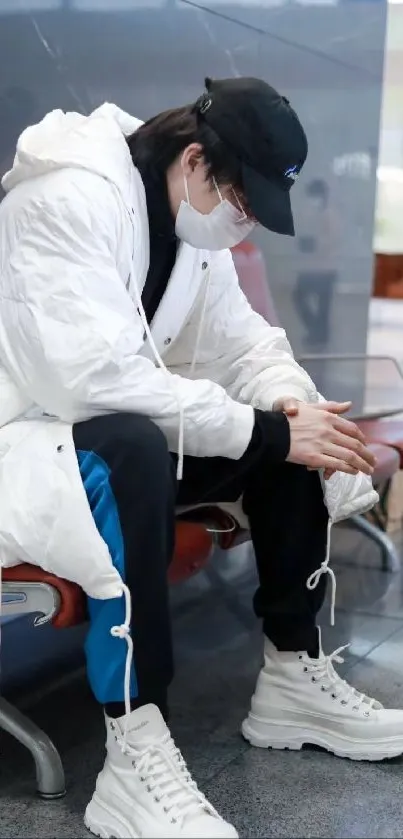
x=205 y=105
x=292 y=173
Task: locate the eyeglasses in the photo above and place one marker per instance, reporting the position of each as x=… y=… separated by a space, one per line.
x=239 y=201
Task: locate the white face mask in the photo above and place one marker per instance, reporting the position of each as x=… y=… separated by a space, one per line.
x=224 y=227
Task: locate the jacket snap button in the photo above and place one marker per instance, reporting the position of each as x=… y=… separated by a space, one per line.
x=167 y=341
x=204 y=265
x=60 y=448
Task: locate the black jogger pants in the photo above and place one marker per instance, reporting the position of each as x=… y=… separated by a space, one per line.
x=288 y=523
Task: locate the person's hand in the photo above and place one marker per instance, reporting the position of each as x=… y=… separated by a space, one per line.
x=289 y=405
x=322 y=439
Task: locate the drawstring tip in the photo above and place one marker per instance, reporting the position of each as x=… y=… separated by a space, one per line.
x=179 y=469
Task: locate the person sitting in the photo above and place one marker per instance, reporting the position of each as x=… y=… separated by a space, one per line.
x=136 y=379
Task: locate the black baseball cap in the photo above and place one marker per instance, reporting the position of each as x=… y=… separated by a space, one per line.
x=266 y=135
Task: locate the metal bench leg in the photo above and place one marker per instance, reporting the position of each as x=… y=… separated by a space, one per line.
x=390 y=556
x=49 y=770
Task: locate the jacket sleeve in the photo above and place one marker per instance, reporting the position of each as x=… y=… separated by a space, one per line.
x=70 y=333
x=238 y=349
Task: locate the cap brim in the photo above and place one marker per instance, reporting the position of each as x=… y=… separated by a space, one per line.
x=270 y=204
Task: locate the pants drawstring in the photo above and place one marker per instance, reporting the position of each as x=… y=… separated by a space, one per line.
x=123 y=632
x=313 y=579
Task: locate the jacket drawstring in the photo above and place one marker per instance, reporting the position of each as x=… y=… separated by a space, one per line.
x=162 y=367
x=124 y=630
x=201 y=324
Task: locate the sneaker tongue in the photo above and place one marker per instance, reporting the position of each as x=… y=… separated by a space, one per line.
x=145 y=724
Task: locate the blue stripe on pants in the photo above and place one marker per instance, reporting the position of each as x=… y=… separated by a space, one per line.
x=106 y=656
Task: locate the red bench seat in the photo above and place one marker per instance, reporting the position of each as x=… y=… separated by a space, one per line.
x=387 y=432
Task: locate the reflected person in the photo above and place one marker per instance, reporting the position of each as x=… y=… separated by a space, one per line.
x=317 y=244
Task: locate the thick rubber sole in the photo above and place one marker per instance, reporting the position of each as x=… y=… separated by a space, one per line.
x=104 y=822
x=266 y=735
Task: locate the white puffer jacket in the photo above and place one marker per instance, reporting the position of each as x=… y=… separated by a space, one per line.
x=73 y=344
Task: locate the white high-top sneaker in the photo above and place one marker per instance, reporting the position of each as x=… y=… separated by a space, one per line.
x=301 y=700
x=145 y=788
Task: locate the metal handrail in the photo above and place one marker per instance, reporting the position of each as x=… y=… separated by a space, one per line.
x=351 y=357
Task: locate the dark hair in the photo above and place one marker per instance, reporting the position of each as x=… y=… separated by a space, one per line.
x=318 y=188
x=161 y=140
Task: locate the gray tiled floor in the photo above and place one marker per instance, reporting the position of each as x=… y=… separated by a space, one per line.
x=274 y=794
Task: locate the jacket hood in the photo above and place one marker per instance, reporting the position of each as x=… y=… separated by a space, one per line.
x=94 y=142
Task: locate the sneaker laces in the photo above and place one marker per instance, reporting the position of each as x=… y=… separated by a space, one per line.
x=323 y=671
x=159 y=764
x=162 y=763
x=324 y=568
x=162 y=767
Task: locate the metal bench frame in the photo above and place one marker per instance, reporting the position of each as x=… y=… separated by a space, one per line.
x=389 y=554
x=43 y=601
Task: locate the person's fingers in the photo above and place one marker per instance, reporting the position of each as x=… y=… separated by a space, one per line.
x=356 y=446
x=287 y=404
x=335 y=407
x=328 y=472
x=290 y=407
x=327 y=461
x=351 y=458
x=347 y=427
